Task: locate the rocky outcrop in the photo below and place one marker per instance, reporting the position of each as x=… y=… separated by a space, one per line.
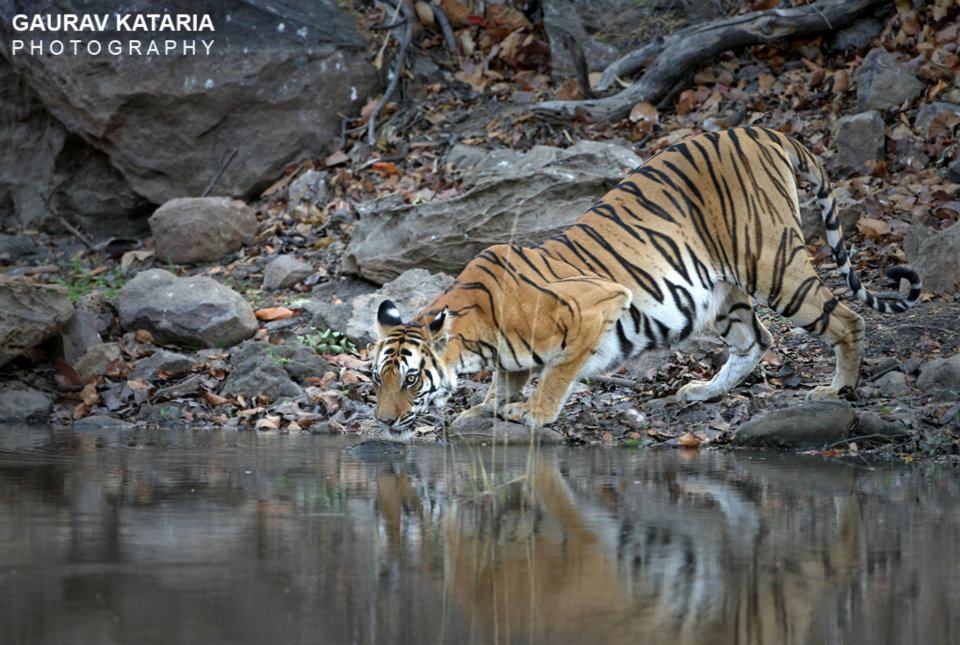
x=193 y=311
x=885 y=82
x=272 y=88
x=41 y=161
x=189 y=230
x=860 y=139
x=936 y=256
x=812 y=425
x=30 y=313
x=510 y=197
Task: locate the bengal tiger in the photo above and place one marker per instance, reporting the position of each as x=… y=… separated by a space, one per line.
x=690 y=238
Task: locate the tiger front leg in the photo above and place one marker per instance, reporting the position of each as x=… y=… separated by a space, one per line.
x=599 y=304
x=505 y=388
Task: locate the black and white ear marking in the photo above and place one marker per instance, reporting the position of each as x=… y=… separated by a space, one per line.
x=388 y=317
x=438 y=322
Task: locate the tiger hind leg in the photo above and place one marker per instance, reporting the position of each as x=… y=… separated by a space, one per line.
x=813 y=307
x=747 y=340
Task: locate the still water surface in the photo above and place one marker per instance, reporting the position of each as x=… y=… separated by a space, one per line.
x=207 y=537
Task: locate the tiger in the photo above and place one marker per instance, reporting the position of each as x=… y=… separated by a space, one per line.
x=693 y=237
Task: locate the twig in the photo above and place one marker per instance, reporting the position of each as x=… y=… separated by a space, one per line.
x=223 y=168
x=613 y=380
x=448 y=36
x=397 y=72
x=862 y=438
x=579 y=64
x=77 y=233
x=399 y=23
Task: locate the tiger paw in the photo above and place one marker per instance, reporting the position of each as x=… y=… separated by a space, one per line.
x=697 y=391
x=476 y=411
x=822 y=392
x=521 y=413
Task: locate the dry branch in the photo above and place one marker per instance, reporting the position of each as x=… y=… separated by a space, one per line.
x=684 y=51
x=405 y=40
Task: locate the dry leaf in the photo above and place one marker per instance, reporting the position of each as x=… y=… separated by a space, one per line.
x=337 y=158
x=274 y=313
x=143 y=336
x=89 y=394
x=873 y=228
x=268 y=423
x=644 y=112
x=216 y=399
x=425 y=14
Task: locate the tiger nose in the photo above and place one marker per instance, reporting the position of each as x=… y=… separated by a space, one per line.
x=385 y=417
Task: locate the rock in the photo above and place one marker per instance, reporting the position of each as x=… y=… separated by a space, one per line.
x=885 y=82
x=201 y=229
x=930 y=113
x=299 y=362
x=30 y=313
x=411 y=291
x=524 y=200
x=41 y=160
x=23 y=404
x=187 y=387
x=14 y=247
x=330 y=302
x=96 y=422
x=940 y=373
x=96 y=360
x=893 y=384
x=193 y=311
x=811 y=425
x=849 y=211
x=953 y=171
x=261 y=378
x=871 y=424
x=173 y=364
x=275 y=81
x=860 y=139
x=284 y=271
x=376 y=449
x=487 y=429
x=309 y=187
x=92 y=319
x=936 y=256
x=858 y=35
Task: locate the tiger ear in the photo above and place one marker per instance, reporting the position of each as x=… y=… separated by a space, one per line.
x=440 y=324
x=388 y=318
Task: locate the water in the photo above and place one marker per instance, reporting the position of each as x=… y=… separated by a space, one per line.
x=208 y=537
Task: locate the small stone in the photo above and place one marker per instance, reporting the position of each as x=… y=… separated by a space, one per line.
x=860 y=139
x=189 y=230
x=885 y=82
x=96 y=360
x=941 y=373
x=871 y=424
x=284 y=271
x=893 y=384
x=92 y=319
x=15 y=247
x=811 y=425
x=22 y=404
x=488 y=429
x=193 y=311
x=931 y=112
x=30 y=313
x=300 y=362
x=857 y=35
x=309 y=187
x=171 y=363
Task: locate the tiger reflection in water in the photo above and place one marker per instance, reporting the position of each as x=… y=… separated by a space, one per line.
x=695 y=564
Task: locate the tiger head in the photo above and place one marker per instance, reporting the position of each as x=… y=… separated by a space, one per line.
x=407 y=369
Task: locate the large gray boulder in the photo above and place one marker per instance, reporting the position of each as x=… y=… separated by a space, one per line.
x=272 y=87
x=274 y=371
x=521 y=198
x=189 y=230
x=193 y=311
x=884 y=82
x=940 y=373
x=43 y=166
x=860 y=139
x=30 y=313
x=936 y=256
x=808 y=426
